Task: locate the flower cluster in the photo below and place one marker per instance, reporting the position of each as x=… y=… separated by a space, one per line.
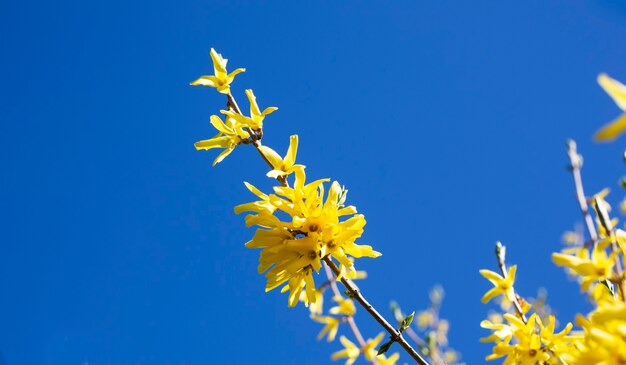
x=519 y=339
x=293 y=249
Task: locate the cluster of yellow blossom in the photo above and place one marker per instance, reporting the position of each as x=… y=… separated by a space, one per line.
x=598 y=265
x=237 y=128
x=293 y=249
x=299 y=226
x=521 y=340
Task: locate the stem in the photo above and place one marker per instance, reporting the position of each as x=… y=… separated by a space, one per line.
x=575 y=166
x=356 y=295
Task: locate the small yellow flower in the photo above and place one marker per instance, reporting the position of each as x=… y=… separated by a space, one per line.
x=502 y=285
x=331 y=328
x=255 y=120
x=282 y=166
x=617 y=91
x=597 y=267
x=370 y=346
x=346 y=307
x=230 y=135
x=350 y=351
x=221 y=80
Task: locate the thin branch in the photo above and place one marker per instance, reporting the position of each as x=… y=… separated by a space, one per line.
x=356 y=295
x=576 y=163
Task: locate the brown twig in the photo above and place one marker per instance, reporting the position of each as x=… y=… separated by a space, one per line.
x=359 y=298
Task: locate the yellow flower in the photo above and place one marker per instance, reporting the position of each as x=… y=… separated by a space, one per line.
x=331 y=328
x=346 y=307
x=528 y=350
x=255 y=120
x=230 y=135
x=293 y=249
x=617 y=91
x=350 y=351
x=222 y=79
x=370 y=346
x=604 y=333
x=282 y=166
x=598 y=267
x=502 y=285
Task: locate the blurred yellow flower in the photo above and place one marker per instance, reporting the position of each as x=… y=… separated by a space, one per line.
x=331 y=328
x=617 y=91
x=350 y=351
x=346 y=307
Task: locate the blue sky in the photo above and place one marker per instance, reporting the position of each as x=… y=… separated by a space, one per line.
x=446 y=121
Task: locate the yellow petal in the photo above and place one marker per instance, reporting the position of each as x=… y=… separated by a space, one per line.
x=223 y=155
x=254 y=108
x=204 y=81
x=612 y=130
x=219 y=125
x=272 y=156
x=290 y=158
x=219 y=63
x=207 y=144
x=615 y=89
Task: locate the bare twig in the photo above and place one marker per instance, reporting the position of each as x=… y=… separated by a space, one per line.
x=576 y=164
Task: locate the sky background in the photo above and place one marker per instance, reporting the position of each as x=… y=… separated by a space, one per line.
x=446 y=121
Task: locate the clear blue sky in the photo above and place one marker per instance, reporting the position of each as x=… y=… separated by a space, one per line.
x=446 y=120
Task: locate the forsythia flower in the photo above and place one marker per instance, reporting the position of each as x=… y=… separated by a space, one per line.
x=370 y=346
x=230 y=135
x=222 y=79
x=617 y=91
x=293 y=249
x=331 y=328
x=351 y=351
x=598 y=267
x=604 y=336
x=255 y=120
x=502 y=285
x=283 y=166
x=533 y=343
x=346 y=307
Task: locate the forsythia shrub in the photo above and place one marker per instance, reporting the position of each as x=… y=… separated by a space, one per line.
x=306 y=228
